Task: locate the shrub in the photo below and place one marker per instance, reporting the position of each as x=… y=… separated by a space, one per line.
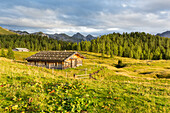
x=120 y=64
x=163 y=75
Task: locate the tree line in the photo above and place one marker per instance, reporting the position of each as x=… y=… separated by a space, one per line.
x=133 y=45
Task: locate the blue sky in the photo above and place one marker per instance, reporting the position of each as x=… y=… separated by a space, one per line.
x=94 y=17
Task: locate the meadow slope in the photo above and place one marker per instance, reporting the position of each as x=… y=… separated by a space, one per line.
x=6 y=32
x=134 y=88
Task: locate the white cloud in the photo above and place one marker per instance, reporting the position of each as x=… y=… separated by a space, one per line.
x=32 y=17
x=113 y=29
x=164 y=12
x=73 y=29
x=129 y=20
x=100 y=16
x=124 y=5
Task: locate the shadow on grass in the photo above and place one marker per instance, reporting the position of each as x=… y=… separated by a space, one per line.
x=23 y=62
x=95 y=56
x=120 y=66
x=163 y=75
x=146 y=73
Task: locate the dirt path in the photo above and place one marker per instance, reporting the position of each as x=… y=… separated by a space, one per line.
x=121 y=71
x=125 y=74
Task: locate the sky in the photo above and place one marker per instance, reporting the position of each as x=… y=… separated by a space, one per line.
x=96 y=17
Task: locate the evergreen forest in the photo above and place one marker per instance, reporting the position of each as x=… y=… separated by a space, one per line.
x=133 y=45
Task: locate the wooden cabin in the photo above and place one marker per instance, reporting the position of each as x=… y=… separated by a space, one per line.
x=56 y=59
x=21 y=49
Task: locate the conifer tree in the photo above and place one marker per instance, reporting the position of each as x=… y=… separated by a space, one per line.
x=167 y=55
x=115 y=50
x=74 y=46
x=59 y=47
x=98 y=48
x=32 y=46
x=93 y=44
x=111 y=54
x=107 y=45
x=78 y=47
x=103 y=48
x=98 y=45
x=131 y=54
x=2 y=52
x=120 y=52
x=10 y=54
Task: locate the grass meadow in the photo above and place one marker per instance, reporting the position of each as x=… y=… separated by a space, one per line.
x=140 y=86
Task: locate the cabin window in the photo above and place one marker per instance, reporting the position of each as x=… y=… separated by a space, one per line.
x=79 y=61
x=52 y=64
x=66 y=64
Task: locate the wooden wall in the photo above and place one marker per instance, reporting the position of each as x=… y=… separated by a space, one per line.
x=73 y=61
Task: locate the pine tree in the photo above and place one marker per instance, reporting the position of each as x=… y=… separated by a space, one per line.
x=131 y=54
x=78 y=47
x=103 y=48
x=115 y=50
x=87 y=45
x=74 y=46
x=160 y=57
x=32 y=46
x=107 y=45
x=157 y=54
x=10 y=53
x=151 y=56
x=59 y=47
x=120 y=52
x=98 y=45
x=98 y=48
x=167 y=55
x=93 y=44
x=2 y=53
x=111 y=54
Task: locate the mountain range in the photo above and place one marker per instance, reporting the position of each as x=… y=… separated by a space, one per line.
x=78 y=37
x=164 y=34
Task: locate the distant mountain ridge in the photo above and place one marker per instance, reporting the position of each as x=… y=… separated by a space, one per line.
x=164 y=34
x=40 y=34
x=75 y=38
x=78 y=37
x=20 y=32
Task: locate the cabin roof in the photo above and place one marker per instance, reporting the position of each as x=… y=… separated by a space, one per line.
x=52 y=56
x=21 y=48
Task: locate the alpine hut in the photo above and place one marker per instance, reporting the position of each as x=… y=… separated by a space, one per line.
x=21 y=49
x=56 y=59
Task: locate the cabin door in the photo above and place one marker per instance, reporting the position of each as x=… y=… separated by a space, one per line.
x=72 y=63
x=75 y=62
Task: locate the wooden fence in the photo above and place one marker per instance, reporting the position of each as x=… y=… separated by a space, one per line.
x=87 y=75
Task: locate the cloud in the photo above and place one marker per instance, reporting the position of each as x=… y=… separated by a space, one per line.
x=31 y=17
x=87 y=16
x=134 y=21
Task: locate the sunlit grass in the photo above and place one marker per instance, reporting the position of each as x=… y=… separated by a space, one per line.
x=133 y=88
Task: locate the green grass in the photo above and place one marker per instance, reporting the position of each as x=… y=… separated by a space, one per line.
x=5 y=32
x=131 y=89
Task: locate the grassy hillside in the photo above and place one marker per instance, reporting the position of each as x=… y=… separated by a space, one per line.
x=134 y=88
x=5 y=32
x=20 y=56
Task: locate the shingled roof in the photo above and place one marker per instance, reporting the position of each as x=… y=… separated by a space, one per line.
x=51 y=56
